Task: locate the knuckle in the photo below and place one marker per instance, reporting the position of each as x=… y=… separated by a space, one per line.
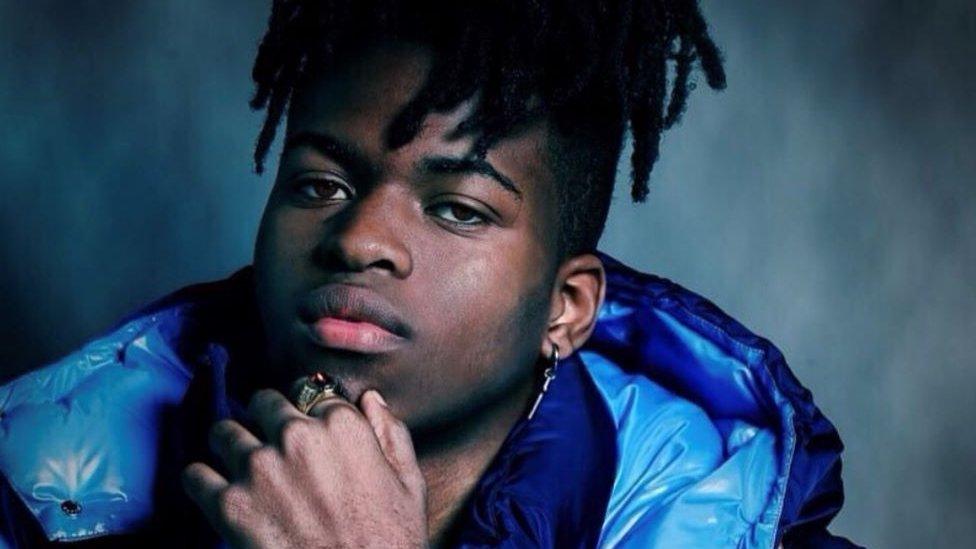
x=259 y=396
x=232 y=503
x=295 y=433
x=263 y=399
x=221 y=430
x=192 y=474
x=222 y=426
x=262 y=461
x=341 y=414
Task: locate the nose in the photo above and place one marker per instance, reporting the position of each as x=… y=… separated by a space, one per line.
x=368 y=234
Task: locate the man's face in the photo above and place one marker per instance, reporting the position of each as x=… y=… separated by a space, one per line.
x=451 y=267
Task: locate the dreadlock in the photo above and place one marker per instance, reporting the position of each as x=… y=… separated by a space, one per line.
x=594 y=68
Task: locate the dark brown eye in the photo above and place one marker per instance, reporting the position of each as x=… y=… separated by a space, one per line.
x=324 y=189
x=459 y=214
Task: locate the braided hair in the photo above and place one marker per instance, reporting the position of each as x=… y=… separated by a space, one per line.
x=594 y=68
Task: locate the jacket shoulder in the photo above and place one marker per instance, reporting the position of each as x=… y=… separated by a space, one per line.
x=78 y=437
x=683 y=379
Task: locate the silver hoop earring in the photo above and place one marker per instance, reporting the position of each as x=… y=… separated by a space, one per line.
x=547 y=376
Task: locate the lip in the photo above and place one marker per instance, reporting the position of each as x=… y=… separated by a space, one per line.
x=352 y=318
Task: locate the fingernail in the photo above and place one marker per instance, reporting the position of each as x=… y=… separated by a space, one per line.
x=380 y=399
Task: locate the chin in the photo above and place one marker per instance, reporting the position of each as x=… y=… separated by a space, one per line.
x=354 y=373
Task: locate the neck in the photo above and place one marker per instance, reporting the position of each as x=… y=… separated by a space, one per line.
x=454 y=462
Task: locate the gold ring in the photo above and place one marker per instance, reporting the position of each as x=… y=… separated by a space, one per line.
x=317 y=387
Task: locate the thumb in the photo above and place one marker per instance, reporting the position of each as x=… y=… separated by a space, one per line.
x=395 y=441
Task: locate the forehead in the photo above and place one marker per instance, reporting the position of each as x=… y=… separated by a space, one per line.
x=357 y=99
x=358 y=94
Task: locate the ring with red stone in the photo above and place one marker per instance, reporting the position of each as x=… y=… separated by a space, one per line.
x=316 y=388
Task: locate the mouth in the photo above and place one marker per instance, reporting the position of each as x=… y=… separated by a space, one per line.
x=351 y=318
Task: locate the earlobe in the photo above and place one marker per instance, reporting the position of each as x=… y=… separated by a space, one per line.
x=577 y=296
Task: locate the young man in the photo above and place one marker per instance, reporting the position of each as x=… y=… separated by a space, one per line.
x=428 y=349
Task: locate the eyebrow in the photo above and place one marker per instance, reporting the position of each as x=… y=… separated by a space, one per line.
x=343 y=152
x=354 y=158
x=468 y=165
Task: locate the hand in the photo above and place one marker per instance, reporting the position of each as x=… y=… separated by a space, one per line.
x=338 y=477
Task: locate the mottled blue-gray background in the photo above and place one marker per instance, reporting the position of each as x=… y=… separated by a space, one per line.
x=826 y=200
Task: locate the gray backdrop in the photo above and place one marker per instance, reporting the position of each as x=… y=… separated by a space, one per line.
x=825 y=200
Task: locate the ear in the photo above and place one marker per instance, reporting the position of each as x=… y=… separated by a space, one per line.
x=577 y=295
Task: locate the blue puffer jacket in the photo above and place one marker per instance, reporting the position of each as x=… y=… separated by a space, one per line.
x=673 y=427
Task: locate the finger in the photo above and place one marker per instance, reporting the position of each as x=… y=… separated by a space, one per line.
x=270 y=410
x=324 y=407
x=204 y=486
x=233 y=443
x=224 y=505
x=395 y=441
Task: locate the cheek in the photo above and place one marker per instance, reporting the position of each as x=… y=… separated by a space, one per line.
x=491 y=299
x=284 y=235
x=283 y=240
x=286 y=239
x=470 y=296
x=484 y=326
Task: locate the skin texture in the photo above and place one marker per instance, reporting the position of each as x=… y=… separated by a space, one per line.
x=294 y=487
x=468 y=267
